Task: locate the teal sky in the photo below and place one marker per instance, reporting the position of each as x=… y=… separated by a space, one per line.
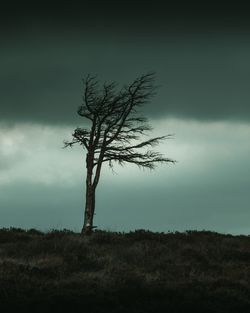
x=202 y=64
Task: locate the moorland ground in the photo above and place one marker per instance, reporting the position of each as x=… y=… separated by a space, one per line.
x=140 y=271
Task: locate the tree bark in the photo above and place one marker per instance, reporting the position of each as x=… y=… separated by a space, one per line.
x=90 y=197
x=89 y=211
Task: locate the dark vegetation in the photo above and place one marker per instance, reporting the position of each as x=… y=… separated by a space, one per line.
x=139 y=271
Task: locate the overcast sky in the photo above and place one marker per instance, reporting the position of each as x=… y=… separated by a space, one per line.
x=202 y=64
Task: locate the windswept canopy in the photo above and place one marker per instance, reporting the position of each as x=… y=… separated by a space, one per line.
x=116 y=123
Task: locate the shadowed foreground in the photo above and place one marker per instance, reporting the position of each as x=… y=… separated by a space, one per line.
x=131 y=272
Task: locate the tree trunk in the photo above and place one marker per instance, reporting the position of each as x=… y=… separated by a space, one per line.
x=91 y=185
x=89 y=211
x=90 y=198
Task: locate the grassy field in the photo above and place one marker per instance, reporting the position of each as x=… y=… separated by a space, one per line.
x=139 y=271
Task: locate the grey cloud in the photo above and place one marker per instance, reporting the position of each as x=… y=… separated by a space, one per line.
x=122 y=206
x=207 y=189
x=5 y=162
x=10 y=161
x=32 y=205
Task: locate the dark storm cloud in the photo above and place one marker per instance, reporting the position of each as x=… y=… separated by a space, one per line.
x=200 y=55
x=126 y=14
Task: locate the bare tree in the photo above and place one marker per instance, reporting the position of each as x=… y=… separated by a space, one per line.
x=114 y=132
